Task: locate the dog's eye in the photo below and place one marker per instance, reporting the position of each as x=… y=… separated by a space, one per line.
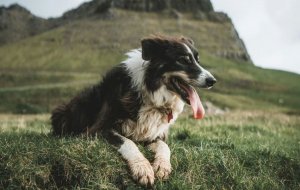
x=197 y=57
x=185 y=59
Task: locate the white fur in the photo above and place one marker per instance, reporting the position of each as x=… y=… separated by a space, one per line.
x=203 y=76
x=130 y=151
x=189 y=51
x=161 y=96
x=177 y=109
x=152 y=123
x=204 y=73
x=136 y=67
x=161 y=149
x=139 y=166
x=161 y=164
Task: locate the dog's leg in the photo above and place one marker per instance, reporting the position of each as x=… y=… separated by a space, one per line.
x=139 y=166
x=161 y=164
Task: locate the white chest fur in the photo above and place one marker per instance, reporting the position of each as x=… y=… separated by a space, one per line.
x=152 y=121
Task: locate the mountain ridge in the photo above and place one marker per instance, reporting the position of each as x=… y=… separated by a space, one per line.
x=17 y=23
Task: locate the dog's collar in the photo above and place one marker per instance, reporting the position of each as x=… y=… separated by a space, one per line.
x=167 y=112
x=170 y=116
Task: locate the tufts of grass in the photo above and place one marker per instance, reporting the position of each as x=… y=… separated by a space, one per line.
x=238 y=150
x=46 y=97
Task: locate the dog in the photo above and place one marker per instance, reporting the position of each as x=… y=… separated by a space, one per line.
x=137 y=101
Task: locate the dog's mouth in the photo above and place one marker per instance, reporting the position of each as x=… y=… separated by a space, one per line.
x=189 y=95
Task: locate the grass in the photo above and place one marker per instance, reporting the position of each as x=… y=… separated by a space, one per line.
x=237 y=150
x=240 y=86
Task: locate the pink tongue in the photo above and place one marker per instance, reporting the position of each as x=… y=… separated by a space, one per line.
x=196 y=103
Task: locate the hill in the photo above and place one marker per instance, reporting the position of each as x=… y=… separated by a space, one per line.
x=17 y=23
x=54 y=65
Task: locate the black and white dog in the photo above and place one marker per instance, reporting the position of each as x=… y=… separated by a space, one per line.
x=137 y=101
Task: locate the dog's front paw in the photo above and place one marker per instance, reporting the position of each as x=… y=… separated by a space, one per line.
x=142 y=172
x=162 y=168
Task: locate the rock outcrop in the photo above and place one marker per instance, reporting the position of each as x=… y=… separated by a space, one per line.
x=17 y=23
x=159 y=5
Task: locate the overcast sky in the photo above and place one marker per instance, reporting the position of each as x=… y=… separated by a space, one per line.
x=269 y=28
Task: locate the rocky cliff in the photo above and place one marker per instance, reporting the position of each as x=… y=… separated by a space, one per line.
x=17 y=23
x=159 y=5
x=201 y=9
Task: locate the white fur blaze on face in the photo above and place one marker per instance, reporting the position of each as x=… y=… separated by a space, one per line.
x=136 y=67
x=194 y=98
x=201 y=81
x=140 y=167
x=203 y=76
x=189 y=51
x=161 y=165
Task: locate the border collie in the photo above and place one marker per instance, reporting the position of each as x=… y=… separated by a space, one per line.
x=137 y=101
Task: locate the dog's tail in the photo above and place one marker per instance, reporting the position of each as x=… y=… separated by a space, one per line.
x=60 y=121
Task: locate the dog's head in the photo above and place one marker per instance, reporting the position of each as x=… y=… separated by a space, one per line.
x=174 y=62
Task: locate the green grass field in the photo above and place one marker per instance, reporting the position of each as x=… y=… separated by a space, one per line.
x=237 y=150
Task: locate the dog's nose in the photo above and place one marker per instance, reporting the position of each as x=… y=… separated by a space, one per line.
x=210 y=81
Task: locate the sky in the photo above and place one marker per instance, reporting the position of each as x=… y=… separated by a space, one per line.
x=269 y=28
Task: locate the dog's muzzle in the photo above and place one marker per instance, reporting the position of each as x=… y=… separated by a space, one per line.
x=210 y=81
x=205 y=79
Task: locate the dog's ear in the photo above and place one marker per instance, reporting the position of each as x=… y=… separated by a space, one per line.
x=187 y=40
x=152 y=47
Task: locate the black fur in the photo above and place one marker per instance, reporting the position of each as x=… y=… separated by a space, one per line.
x=99 y=108
x=168 y=55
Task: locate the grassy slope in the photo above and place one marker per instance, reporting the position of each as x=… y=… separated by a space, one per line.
x=238 y=150
x=66 y=59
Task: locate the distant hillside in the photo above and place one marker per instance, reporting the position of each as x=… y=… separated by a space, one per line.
x=46 y=69
x=17 y=23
